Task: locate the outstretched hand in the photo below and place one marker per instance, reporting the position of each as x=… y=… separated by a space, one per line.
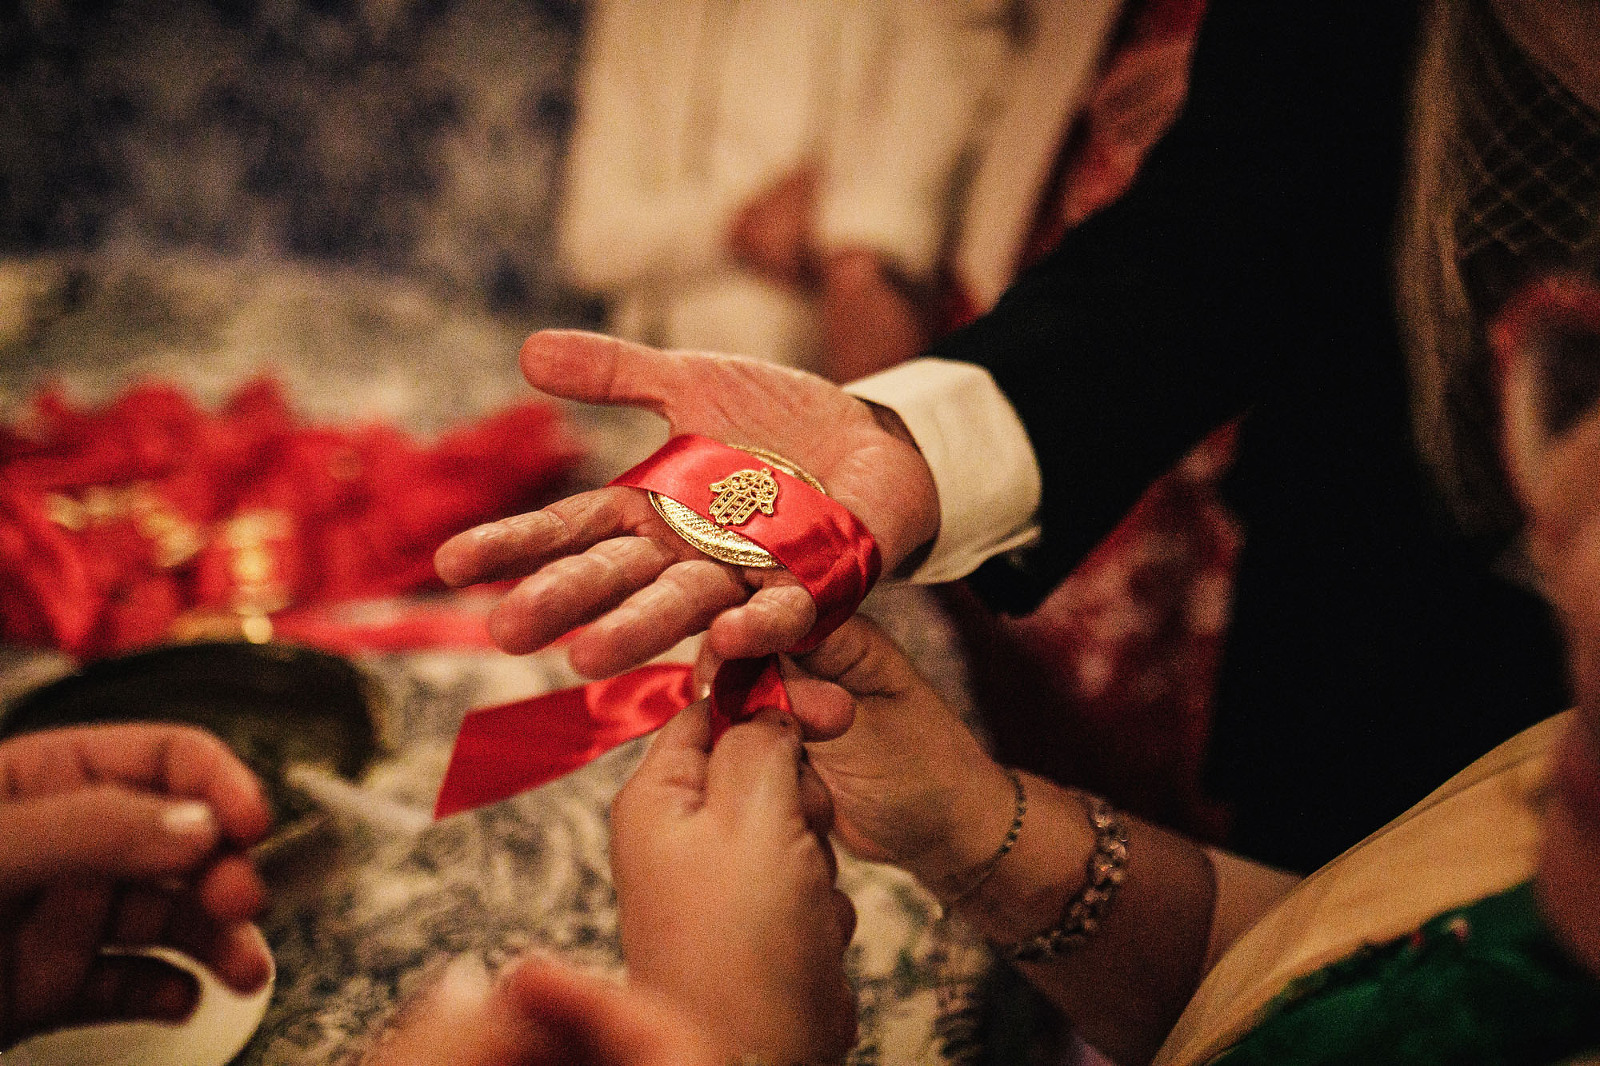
x=606 y=559
x=126 y=835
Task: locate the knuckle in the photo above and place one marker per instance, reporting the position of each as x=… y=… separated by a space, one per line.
x=584 y=570
x=555 y=521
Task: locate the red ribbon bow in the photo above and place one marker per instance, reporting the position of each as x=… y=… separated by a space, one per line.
x=508 y=749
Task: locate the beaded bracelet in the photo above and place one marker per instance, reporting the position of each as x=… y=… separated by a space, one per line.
x=993 y=862
x=1085 y=912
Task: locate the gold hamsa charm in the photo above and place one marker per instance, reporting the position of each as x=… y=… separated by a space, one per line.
x=742 y=500
x=741 y=494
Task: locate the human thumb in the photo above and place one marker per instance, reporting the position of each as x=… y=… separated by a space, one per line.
x=597 y=1023
x=595 y=368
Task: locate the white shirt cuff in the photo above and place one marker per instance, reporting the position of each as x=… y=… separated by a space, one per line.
x=982 y=461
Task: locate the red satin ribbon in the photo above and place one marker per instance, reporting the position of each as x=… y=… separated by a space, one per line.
x=816 y=539
x=504 y=750
x=122 y=524
x=500 y=750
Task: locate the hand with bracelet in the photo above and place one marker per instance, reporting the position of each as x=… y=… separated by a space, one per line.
x=1120 y=953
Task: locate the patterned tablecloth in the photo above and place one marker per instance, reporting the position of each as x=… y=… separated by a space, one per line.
x=362 y=924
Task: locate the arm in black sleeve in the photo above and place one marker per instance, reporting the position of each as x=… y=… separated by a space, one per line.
x=1255 y=234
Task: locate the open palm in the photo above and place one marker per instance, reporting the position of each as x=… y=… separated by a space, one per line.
x=606 y=558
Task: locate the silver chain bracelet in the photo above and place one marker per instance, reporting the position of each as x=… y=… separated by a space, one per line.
x=1086 y=911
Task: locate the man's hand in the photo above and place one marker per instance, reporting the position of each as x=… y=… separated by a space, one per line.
x=869 y=321
x=606 y=558
x=123 y=835
x=725 y=884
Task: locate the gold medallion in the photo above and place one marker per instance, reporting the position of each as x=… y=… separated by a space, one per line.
x=736 y=498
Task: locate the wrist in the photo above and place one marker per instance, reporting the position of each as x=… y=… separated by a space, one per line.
x=905 y=546
x=979 y=819
x=1046 y=865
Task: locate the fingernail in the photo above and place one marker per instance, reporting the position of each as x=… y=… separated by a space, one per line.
x=250 y=935
x=465 y=981
x=189 y=819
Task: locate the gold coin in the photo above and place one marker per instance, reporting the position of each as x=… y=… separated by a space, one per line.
x=719 y=542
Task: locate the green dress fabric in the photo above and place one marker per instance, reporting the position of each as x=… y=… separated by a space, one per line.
x=1484 y=983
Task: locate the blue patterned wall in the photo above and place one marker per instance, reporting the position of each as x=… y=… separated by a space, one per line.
x=419 y=137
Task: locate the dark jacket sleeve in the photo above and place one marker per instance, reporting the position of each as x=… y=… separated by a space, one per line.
x=1255 y=238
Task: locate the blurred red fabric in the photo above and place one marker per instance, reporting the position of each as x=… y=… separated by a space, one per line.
x=118 y=522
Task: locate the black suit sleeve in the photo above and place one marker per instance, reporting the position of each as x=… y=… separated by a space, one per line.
x=1255 y=239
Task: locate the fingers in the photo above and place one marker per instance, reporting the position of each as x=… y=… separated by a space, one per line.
x=59 y=974
x=236 y=952
x=197 y=764
x=682 y=601
x=128 y=987
x=599 y=369
x=470 y=1016
x=540 y=1014
x=573 y=590
x=601 y=1024
x=53 y=950
x=858 y=657
x=141 y=914
x=816 y=802
x=706 y=663
x=231 y=890
x=756 y=767
x=522 y=543
x=105 y=832
x=672 y=775
x=149 y=757
x=777 y=618
x=825 y=711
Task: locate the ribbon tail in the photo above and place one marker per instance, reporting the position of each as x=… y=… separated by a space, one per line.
x=508 y=749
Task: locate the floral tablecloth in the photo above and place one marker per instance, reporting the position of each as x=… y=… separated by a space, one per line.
x=375 y=916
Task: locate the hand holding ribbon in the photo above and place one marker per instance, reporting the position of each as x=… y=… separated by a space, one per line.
x=501 y=751
x=607 y=561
